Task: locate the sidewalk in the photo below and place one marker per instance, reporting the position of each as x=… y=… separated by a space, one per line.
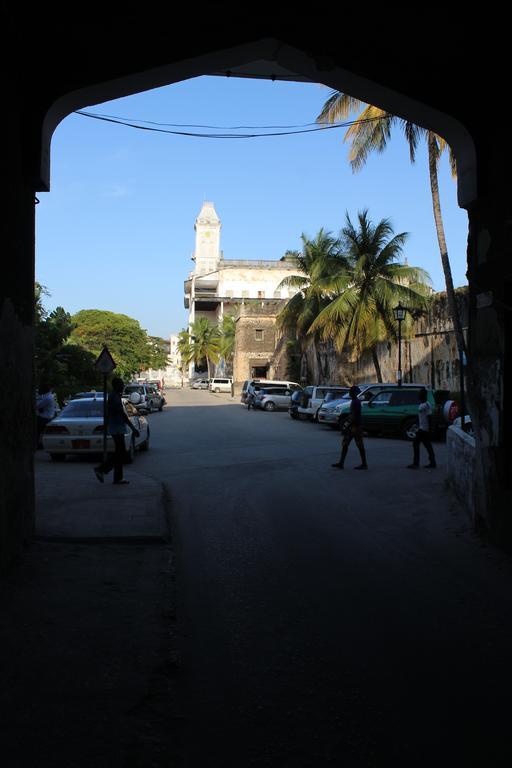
x=88 y=664
x=72 y=504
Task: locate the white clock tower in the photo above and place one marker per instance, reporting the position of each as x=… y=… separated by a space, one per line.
x=207 y=252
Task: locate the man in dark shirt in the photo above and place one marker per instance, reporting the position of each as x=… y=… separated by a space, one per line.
x=353 y=431
x=117 y=420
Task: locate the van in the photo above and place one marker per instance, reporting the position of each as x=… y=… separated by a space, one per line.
x=253 y=384
x=220 y=385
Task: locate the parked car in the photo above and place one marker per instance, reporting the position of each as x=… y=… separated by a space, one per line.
x=255 y=384
x=200 y=384
x=79 y=430
x=330 y=413
x=150 y=397
x=395 y=411
x=315 y=396
x=82 y=395
x=273 y=398
x=220 y=384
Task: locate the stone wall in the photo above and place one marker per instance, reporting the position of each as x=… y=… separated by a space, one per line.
x=257 y=340
x=460 y=468
x=429 y=353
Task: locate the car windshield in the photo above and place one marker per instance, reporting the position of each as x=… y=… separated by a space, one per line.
x=330 y=396
x=83 y=409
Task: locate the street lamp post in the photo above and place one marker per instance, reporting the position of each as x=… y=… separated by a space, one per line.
x=399 y=313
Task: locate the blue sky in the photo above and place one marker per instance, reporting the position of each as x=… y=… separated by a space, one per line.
x=116 y=231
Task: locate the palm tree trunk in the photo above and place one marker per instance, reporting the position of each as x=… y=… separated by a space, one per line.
x=376 y=363
x=436 y=204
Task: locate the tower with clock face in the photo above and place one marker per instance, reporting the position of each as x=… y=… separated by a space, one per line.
x=207 y=252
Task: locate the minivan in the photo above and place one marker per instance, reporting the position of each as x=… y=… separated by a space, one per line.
x=220 y=385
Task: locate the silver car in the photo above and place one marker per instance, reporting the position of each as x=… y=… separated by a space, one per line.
x=273 y=399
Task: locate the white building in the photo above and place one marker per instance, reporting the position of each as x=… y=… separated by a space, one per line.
x=217 y=286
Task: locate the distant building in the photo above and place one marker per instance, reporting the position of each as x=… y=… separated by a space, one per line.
x=218 y=286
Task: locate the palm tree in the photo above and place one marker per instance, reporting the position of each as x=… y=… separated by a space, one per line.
x=371 y=132
x=226 y=332
x=185 y=349
x=360 y=311
x=205 y=342
x=319 y=261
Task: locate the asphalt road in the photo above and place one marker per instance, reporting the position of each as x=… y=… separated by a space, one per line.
x=327 y=617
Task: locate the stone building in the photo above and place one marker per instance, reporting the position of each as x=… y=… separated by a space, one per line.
x=259 y=345
x=217 y=286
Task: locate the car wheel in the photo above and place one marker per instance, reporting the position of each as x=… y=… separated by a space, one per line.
x=217 y=390
x=315 y=417
x=145 y=445
x=410 y=429
x=58 y=456
x=130 y=453
x=270 y=406
x=161 y=406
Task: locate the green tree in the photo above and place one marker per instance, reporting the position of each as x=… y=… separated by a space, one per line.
x=127 y=342
x=186 y=351
x=226 y=332
x=206 y=344
x=371 y=133
x=67 y=367
x=158 y=351
x=320 y=260
x=359 y=312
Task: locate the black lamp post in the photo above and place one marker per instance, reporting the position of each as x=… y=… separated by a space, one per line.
x=399 y=313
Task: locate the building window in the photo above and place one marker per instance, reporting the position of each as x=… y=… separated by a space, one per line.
x=261 y=294
x=245 y=294
x=229 y=294
x=277 y=294
x=258 y=334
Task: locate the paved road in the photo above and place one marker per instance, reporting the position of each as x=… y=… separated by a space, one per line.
x=327 y=617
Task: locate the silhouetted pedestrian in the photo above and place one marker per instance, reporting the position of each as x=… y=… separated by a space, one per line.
x=45 y=409
x=352 y=430
x=423 y=433
x=117 y=421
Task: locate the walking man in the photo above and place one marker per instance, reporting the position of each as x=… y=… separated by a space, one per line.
x=117 y=421
x=45 y=407
x=422 y=435
x=353 y=431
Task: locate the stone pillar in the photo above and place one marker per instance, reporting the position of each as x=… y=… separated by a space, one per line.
x=16 y=339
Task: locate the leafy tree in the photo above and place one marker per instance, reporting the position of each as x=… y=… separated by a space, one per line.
x=362 y=295
x=206 y=345
x=126 y=340
x=371 y=132
x=226 y=333
x=65 y=366
x=320 y=260
x=158 y=351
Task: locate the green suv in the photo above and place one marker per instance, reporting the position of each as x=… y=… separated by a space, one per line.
x=395 y=411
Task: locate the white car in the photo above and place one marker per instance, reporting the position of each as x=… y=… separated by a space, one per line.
x=314 y=398
x=201 y=384
x=79 y=430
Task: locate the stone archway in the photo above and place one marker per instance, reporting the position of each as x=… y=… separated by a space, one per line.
x=481 y=190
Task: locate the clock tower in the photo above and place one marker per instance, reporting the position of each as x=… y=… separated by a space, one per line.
x=207 y=252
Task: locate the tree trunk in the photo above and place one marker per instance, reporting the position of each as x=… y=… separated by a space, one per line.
x=376 y=363
x=436 y=204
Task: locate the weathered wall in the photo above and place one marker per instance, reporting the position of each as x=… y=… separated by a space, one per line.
x=249 y=351
x=429 y=353
x=460 y=467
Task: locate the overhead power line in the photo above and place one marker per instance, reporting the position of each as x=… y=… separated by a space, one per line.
x=285 y=130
